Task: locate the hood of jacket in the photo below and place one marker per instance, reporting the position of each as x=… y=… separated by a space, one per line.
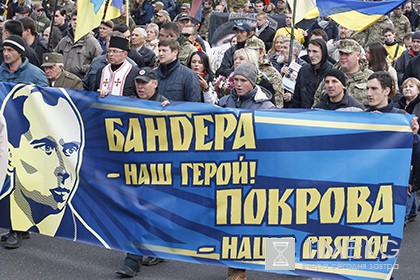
x=324 y=51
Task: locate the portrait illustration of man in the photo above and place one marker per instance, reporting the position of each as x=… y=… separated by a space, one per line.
x=45 y=141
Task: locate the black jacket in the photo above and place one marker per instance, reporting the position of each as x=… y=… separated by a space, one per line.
x=226 y=67
x=267 y=36
x=309 y=79
x=40 y=46
x=412 y=69
x=412 y=108
x=149 y=57
x=178 y=82
x=347 y=102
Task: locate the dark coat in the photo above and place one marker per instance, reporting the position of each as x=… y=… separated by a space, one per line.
x=412 y=69
x=149 y=56
x=347 y=102
x=331 y=29
x=412 y=108
x=267 y=36
x=136 y=57
x=226 y=67
x=401 y=65
x=390 y=108
x=308 y=80
x=40 y=46
x=158 y=97
x=178 y=83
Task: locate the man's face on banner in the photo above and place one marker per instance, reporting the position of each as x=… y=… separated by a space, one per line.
x=46 y=161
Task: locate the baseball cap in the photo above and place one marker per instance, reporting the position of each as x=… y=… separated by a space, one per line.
x=242 y=26
x=158 y=3
x=183 y=16
x=162 y=13
x=255 y=43
x=146 y=74
x=348 y=46
x=185 y=6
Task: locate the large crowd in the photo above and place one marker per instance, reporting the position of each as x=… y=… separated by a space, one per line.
x=160 y=52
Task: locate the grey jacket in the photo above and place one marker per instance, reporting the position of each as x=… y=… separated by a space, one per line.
x=257 y=99
x=78 y=56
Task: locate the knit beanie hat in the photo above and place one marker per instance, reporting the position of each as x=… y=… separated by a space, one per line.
x=15 y=42
x=248 y=70
x=416 y=35
x=337 y=74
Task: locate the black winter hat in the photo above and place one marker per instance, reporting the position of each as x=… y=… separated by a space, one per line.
x=337 y=74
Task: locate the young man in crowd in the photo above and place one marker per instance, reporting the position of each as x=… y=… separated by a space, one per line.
x=337 y=97
x=176 y=81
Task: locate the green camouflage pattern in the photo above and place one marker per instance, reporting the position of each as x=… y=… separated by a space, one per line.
x=355 y=85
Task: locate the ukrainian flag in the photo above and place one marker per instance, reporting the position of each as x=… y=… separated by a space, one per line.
x=302 y=8
x=114 y=9
x=356 y=14
x=89 y=16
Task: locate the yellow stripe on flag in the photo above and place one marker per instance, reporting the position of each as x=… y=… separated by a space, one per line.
x=111 y=13
x=354 y=20
x=87 y=19
x=302 y=7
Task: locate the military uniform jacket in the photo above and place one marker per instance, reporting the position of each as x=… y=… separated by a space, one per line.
x=68 y=80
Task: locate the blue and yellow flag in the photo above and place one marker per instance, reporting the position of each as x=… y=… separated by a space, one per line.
x=302 y=8
x=356 y=14
x=89 y=16
x=114 y=9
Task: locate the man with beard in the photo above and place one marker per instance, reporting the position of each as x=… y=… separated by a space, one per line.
x=161 y=17
x=284 y=70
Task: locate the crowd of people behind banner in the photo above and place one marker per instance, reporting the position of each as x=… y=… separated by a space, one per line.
x=163 y=54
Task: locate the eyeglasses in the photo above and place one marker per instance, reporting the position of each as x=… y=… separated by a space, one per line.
x=115 y=51
x=40 y=10
x=187 y=34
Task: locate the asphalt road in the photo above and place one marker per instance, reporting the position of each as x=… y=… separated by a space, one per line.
x=46 y=258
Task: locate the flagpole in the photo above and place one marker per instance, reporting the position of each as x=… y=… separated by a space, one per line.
x=127 y=14
x=292 y=32
x=413 y=28
x=51 y=27
x=107 y=2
